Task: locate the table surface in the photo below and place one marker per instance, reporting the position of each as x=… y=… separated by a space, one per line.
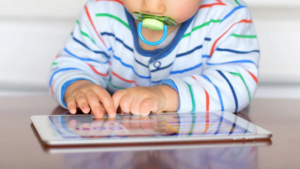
x=20 y=147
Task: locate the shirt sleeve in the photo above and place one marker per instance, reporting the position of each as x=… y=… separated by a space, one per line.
x=84 y=57
x=229 y=77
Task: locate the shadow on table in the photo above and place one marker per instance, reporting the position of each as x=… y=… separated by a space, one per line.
x=192 y=158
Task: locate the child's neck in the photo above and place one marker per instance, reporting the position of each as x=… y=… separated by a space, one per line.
x=153 y=36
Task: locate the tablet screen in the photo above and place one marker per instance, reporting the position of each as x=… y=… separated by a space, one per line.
x=162 y=125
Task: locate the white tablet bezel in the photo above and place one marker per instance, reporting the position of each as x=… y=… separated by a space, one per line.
x=63 y=150
x=43 y=128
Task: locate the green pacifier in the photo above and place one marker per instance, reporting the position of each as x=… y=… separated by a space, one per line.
x=152 y=22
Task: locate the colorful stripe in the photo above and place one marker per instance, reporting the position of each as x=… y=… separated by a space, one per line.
x=84 y=34
x=237 y=52
x=189 y=52
x=237 y=2
x=113 y=17
x=90 y=19
x=235 y=61
x=118 y=1
x=232 y=12
x=84 y=59
x=244 y=36
x=125 y=80
x=201 y=26
x=217 y=89
x=97 y=72
x=207 y=100
x=192 y=97
x=116 y=87
x=211 y=5
x=60 y=70
x=85 y=46
x=207 y=39
x=254 y=78
x=131 y=67
x=214 y=45
x=206 y=96
x=140 y=63
x=232 y=90
x=117 y=39
x=186 y=70
x=239 y=75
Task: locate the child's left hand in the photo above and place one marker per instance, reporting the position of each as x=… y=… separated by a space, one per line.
x=144 y=100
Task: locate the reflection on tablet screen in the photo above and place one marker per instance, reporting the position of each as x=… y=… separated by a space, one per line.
x=170 y=124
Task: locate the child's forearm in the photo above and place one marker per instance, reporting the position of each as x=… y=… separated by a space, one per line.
x=172 y=98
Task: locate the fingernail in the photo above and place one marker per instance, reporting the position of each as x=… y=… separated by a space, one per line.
x=98 y=114
x=85 y=109
x=112 y=114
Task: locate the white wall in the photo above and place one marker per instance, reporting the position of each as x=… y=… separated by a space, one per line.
x=58 y=9
x=274 y=3
x=33 y=31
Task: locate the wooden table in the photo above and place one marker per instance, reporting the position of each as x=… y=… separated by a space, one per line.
x=20 y=148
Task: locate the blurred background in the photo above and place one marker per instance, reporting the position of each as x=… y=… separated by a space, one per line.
x=33 y=31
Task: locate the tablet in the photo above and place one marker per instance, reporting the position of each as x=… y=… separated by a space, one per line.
x=156 y=128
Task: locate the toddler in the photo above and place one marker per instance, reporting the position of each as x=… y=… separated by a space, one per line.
x=189 y=56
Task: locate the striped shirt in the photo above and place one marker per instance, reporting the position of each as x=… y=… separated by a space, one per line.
x=212 y=61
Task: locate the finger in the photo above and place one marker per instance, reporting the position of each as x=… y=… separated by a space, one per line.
x=94 y=103
x=107 y=102
x=146 y=107
x=118 y=96
x=125 y=103
x=122 y=112
x=71 y=103
x=83 y=103
x=103 y=109
x=135 y=106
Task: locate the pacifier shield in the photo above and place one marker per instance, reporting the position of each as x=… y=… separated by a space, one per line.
x=164 y=19
x=153 y=22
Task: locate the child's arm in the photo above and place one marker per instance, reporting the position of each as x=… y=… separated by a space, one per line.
x=229 y=77
x=84 y=64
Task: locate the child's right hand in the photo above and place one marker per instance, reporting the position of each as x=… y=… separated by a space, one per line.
x=89 y=97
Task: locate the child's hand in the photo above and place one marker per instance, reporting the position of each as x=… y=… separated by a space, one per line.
x=89 y=97
x=143 y=100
